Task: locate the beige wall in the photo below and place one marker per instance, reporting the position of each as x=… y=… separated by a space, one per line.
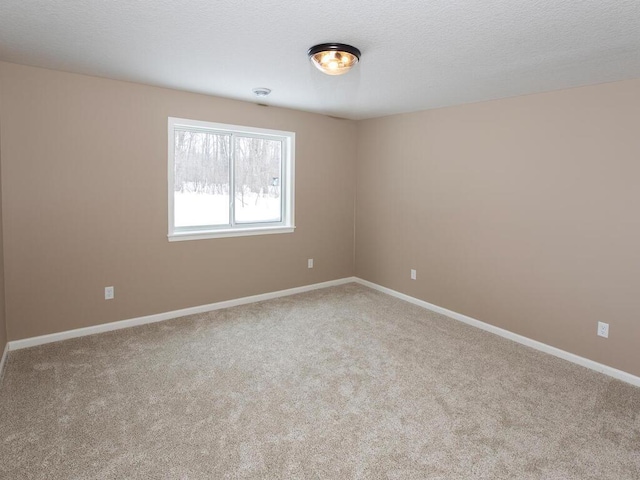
x=3 y=324
x=522 y=213
x=84 y=179
x=519 y=212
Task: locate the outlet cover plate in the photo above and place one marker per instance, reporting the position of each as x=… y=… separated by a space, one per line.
x=603 y=329
x=109 y=293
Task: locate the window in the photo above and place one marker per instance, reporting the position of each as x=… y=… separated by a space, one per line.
x=226 y=180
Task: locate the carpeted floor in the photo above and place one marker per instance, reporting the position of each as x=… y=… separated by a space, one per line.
x=340 y=383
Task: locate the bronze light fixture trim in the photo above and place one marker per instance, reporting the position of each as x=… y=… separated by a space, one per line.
x=334 y=58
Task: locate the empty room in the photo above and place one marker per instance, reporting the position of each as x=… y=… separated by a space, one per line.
x=348 y=240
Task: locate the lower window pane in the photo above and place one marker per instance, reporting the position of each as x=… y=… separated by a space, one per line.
x=258 y=176
x=201 y=184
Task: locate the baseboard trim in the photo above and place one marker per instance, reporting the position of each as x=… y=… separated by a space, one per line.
x=3 y=360
x=543 y=347
x=160 y=317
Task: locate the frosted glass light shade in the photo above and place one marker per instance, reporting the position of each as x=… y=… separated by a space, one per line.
x=334 y=58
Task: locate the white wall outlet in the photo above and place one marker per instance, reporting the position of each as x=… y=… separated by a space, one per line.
x=109 y=293
x=310 y=263
x=603 y=329
x=414 y=274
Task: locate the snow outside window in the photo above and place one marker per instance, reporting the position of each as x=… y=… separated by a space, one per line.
x=228 y=180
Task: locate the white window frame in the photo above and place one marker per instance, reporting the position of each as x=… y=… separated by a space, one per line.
x=286 y=225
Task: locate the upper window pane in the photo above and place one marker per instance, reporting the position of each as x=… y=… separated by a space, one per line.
x=258 y=171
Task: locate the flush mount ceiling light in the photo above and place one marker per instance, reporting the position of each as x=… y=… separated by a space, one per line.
x=334 y=58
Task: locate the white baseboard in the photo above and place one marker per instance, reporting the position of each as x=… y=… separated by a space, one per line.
x=133 y=322
x=543 y=347
x=160 y=317
x=3 y=360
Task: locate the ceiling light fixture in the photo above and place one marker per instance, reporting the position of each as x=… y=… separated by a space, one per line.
x=334 y=58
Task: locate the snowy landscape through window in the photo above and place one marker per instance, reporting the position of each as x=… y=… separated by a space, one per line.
x=226 y=180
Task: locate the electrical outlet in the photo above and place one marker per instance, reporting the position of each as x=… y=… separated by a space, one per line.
x=414 y=274
x=109 y=293
x=310 y=263
x=603 y=329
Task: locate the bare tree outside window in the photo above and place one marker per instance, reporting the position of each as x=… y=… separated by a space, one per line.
x=223 y=180
x=201 y=185
x=257 y=164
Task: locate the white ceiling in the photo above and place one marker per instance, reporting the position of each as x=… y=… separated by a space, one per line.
x=416 y=54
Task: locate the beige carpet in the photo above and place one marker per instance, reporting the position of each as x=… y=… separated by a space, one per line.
x=338 y=383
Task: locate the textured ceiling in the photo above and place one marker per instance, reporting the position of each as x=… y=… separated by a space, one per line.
x=416 y=54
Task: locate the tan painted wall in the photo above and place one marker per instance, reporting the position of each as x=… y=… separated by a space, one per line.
x=84 y=184
x=523 y=213
x=519 y=212
x=3 y=324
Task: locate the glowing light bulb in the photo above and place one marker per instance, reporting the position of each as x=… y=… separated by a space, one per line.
x=334 y=59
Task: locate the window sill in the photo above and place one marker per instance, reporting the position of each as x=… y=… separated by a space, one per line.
x=236 y=232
